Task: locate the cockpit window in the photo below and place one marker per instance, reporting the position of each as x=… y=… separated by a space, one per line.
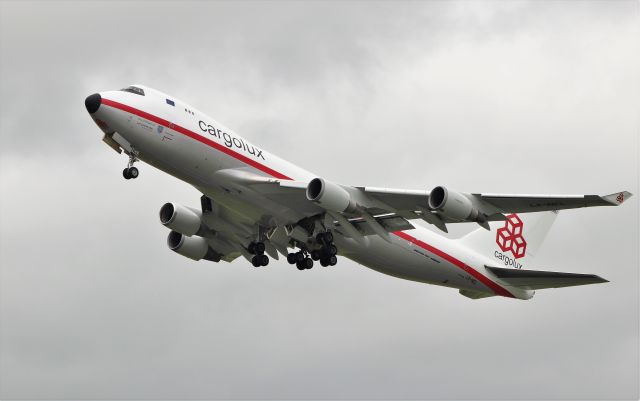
x=133 y=89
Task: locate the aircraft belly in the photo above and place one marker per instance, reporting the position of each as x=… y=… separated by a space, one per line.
x=401 y=260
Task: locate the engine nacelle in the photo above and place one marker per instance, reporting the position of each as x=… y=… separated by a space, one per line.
x=329 y=196
x=195 y=248
x=453 y=205
x=181 y=219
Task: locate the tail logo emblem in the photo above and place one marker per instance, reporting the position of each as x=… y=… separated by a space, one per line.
x=509 y=237
x=620 y=197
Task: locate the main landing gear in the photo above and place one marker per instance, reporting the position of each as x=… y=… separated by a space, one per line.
x=131 y=172
x=300 y=259
x=326 y=254
x=257 y=249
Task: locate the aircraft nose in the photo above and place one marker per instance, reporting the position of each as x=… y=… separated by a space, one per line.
x=92 y=102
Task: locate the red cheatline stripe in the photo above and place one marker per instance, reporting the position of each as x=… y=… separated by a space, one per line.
x=199 y=138
x=484 y=280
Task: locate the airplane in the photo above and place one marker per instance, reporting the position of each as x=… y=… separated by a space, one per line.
x=258 y=206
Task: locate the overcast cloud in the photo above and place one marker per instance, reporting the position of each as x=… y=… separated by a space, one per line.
x=529 y=97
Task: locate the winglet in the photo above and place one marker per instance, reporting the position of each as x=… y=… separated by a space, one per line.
x=617 y=198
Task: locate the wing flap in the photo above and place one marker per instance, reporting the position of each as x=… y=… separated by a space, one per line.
x=389 y=222
x=539 y=279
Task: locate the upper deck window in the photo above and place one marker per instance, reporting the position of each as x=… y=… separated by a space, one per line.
x=133 y=89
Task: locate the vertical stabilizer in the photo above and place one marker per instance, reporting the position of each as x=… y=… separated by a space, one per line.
x=512 y=242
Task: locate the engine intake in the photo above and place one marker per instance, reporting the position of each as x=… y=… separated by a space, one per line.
x=195 y=248
x=181 y=219
x=329 y=196
x=453 y=205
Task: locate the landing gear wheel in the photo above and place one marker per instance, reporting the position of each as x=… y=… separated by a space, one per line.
x=299 y=257
x=315 y=254
x=292 y=258
x=308 y=263
x=133 y=172
x=259 y=248
x=125 y=174
x=264 y=260
x=328 y=237
x=332 y=250
x=324 y=262
x=252 y=248
x=332 y=261
x=300 y=265
x=255 y=261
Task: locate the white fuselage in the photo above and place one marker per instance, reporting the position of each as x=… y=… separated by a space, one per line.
x=193 y=147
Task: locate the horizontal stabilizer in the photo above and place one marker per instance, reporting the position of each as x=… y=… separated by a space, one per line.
x=538 y=280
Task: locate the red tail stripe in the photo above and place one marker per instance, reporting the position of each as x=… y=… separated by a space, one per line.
x=199 y=138
x=483 y=279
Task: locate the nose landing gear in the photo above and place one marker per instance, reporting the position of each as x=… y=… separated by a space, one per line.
x=131 y=172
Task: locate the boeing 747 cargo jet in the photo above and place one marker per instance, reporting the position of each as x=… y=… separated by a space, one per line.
x=259 y=206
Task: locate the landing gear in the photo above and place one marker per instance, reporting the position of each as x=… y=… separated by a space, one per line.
x=326 y=254
x=257 y=249
x=328 y=251
x=131 y=172
x=260 y=260
x=300 y=259
x=325 y=237
x=330 y=261
x=306 y=263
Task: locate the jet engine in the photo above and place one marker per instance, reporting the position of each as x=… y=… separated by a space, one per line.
x=195 y=248
x=329 y=196
x=181 y=219
x=453 y=205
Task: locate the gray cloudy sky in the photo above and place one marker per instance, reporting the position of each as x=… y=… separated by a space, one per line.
x=481 y=96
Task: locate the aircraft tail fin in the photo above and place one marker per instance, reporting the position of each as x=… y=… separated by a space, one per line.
x=514 y=241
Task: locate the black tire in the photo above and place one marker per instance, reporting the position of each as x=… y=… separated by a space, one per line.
x=315 y=254
x=133 y=172
x=291 y=258
x=332 y=261
x=255 y=262
x=299 y=257
x=324 y=262
x=125 y=174
x=260 y=248
x=328 y=237
x=308 y=263
x=299 y=265
x=332 y=250
x=252 y=248
x=264 y=260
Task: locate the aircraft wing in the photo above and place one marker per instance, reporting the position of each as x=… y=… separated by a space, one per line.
x=537 y=280
x=439 y=207
x=412 y=200
x=539 y=203
x=442 y=206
